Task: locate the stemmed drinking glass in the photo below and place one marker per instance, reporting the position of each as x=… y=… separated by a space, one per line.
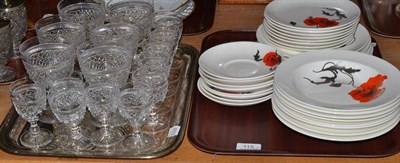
x=84 y=12
x=118 y=34
x=46 y=63
x=15 y=11
x=133 y=105
x=102 y=103
x=156 y=82
x=137 y=12
x=167 y=27
x=29 y=101
x=67 y=101
x=6 y=73
x=158 y=119
x=51 y=30
x=106 y=64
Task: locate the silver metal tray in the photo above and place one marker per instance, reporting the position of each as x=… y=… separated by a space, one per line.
x=13 y=126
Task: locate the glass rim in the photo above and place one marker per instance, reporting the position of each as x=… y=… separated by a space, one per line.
x=91 y=5
x=122 y=4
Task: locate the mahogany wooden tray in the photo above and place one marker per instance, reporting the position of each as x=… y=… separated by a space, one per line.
x=202 y=19
x=215 y=128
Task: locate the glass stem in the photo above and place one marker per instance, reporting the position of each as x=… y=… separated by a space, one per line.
x=16 y=53
x=106 y=131
x=34 y=129
x=135 y=127
x=76 y=132
x=153 y=115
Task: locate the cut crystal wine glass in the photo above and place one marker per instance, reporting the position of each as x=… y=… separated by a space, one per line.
x=102 y=103
x=137 y=12
x=29 y=101
x=86 y=13
x=133 y=105
x=67 y=101
x=106 y=64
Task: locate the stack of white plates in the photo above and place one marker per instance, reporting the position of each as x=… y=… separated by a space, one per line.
x=308 y=25
x=238 y=73
x=337 y=95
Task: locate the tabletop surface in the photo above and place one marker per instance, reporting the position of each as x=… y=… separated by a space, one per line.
x=235 y=17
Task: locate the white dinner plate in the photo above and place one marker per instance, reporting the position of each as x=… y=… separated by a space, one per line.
x=316 y=32
x=338 y=114
x=337 y=79
x=304 y=48
x=361 y=38
x=334 y=125
x=261 y=39
x=296 y=36
x=316 y=134
x=292 y=14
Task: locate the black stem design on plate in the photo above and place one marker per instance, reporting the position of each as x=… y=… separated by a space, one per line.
x=334 y=69
x=257 y=56
x=335 y=13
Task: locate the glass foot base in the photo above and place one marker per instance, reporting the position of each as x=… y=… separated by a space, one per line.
x=81 y=143
x=36 y=141
x=107 y=137
x=139 y=143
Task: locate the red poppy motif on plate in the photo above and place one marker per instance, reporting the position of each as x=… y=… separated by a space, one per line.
x=369 y=90
x=323 y=22
x=320 y=22
x=270 y=59
x=366 y=92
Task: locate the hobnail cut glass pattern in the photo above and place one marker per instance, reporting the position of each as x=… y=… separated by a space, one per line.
x=102 y=100
x=137 y=13
x=29 y=101
x=106 y=64
x=67 y=101
x=132 y=102
x=63 y=32
x=89 y=15
x=46 y=63
x=69 y=107
x=120 y=34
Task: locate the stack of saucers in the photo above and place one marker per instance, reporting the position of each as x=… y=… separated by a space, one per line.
x=308 y=25
x=337 y=95
x=238 y=73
